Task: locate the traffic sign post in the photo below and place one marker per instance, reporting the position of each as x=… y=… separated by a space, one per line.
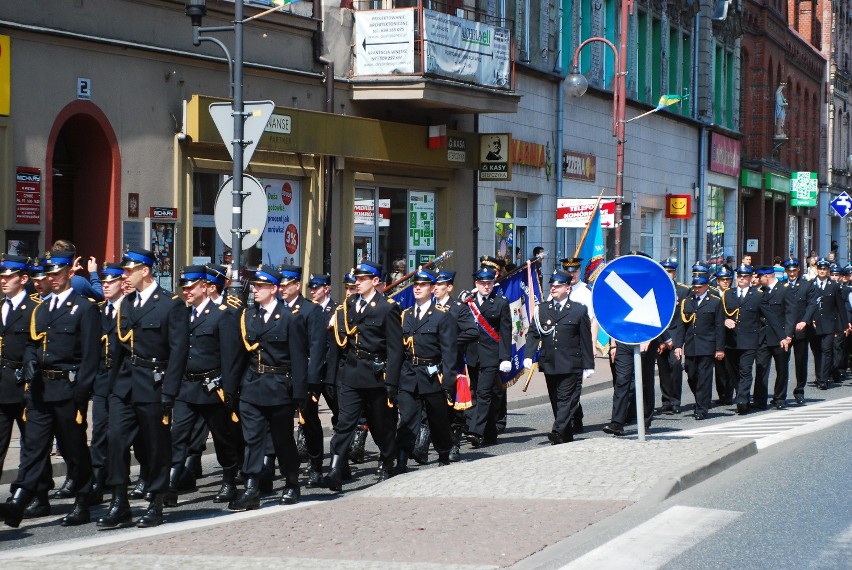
x=634 y=301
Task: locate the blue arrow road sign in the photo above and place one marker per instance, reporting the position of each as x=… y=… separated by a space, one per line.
x=842 y=204
x=634 y=299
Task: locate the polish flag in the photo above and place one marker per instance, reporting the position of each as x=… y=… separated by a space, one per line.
x=437 y=136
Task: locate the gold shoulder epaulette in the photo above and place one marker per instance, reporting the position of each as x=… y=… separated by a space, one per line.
x=442 y=308
x=102 y=303
x=175 y=297
x=391 y=300
x=716 y=295
x=36 y=298
x=234 y=302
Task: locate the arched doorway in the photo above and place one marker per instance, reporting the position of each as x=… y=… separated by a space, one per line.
x=83 y=182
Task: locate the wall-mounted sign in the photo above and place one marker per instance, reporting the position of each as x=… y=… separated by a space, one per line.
x=133 y=205
x=27 y=195
x=5 y=75
x=678 y=206
x=84 y=88
x=384 y=42
x=804 y=189
x=575 y=213
x=456 y=149
x=494 y=156
x=724 y=154
x=579 y=166
x=163 y=213
x=527 y=153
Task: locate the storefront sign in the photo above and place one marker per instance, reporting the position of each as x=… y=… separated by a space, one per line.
x=678 y=206
x=456 y=149
x=163 y=213
x=579 y=166
x=282 y=237
x=527 y=153
x=493 y=157
x=384 y=42
x=421 y=220
x=364 y=214
x=466 y=50
x=804 y=189
x=27 y=195
x=575 y=213
x=5 y=76
x=724 y=154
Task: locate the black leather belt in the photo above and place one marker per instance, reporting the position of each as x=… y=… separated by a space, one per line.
x=198 y=376
x=417 y=361
x=55 y=374
x=11 y=363
x=145 y=363
x=374 y=356
x=266 y=369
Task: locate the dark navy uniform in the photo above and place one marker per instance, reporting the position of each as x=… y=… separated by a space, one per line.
x=429 y=335
x=272 y=387
x=364 y=365
x=670 y=368
x=64 y=351
x=564 y=332
x=208 y=390
x=745 y=308
x=799 y=296
x=14 y=336
x=780 y=319
x=484 y=356
x=827 y=312
x=148 y=367
x=700 y=335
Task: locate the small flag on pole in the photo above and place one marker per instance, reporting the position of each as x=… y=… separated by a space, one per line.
x=666 y=100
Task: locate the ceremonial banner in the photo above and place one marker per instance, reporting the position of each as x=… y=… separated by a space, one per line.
x=523 y=290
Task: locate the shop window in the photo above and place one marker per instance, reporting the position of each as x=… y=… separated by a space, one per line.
x=715 y=235
x=649 y=219
x=678 y=243
x=793 y=237
x=206 y=245
x=510 y=229
x=808 y=236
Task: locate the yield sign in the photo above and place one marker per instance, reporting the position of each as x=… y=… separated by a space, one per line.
x=842 y=204
x=257 y=115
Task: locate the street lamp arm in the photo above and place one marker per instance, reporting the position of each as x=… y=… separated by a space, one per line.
x=575 y=68
x=198 y=38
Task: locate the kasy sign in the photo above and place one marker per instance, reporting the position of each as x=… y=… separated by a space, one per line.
x=575 y=213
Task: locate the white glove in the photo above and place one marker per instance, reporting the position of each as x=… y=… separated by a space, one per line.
x=588 y=372
x=505 y=367
x=527 y=363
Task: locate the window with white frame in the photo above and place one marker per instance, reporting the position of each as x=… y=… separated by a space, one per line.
x=649 y=222
x=678 y=243
x=510 y=228
x=808 y=236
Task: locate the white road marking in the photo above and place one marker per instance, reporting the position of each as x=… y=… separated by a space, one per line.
x=657 y=541
x=772 y=428
x=837 y=552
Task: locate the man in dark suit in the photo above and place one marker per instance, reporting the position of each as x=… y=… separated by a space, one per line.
x=743 y=309
x=316 y=323
x=699 y=339
x=799 y=296
x=670 y=368
x=488 y=357
x=775 y=339
x=112 y=277
x=563 y=330
x=59 y=368
x=467 y=332
x=364 y=365
x=273 y=386
x=726 y=385
x=429 y=336
x=148 y=365
x=828 y=314
x=209 y=386
x=319 y=286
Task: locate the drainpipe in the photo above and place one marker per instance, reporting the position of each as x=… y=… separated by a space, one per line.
x=327 y=166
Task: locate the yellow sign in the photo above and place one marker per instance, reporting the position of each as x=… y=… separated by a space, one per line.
x=5 y=76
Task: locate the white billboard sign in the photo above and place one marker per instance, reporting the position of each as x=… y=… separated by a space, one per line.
x=384 y=42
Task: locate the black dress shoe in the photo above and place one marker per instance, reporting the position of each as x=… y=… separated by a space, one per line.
x=227 y=493
x=800 y=400
x=742 y=409
x=153 y=515
x=250 y=498
x=79 y=514
x=38 y=507
x=822 y=386
x=386 y=471
x=475 y=440
x=66 y=491
x=675 y=410
x=664 y=409
x=290 y=496
x=139 y=490
x=725 y=401
x=614 y=429
x=699 y=416
x=118 y=515
x=779 y=405
x=555 y=438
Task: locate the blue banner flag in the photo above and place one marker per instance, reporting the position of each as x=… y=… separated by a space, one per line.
x=404 y=297
x=592 y=250
x=523 y=290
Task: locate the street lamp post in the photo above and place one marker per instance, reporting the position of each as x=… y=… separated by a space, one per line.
x=577 y=85
x=196 y=10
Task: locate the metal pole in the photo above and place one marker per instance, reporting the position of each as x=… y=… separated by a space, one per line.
x=621 y=96
x=637 y=387
x=239 y=122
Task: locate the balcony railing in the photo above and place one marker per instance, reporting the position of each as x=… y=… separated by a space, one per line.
x=423 y=38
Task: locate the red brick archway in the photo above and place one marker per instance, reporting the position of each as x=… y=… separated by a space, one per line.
x=83 y=182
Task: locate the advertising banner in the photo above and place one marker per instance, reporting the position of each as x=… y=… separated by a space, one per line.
x=282 y=237
x=384 y=42
x=575 y=213
x=27 y=195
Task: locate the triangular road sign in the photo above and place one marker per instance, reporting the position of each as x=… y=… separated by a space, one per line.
x=255 y=123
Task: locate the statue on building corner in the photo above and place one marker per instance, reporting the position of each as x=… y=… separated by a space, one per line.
x=780 y=111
